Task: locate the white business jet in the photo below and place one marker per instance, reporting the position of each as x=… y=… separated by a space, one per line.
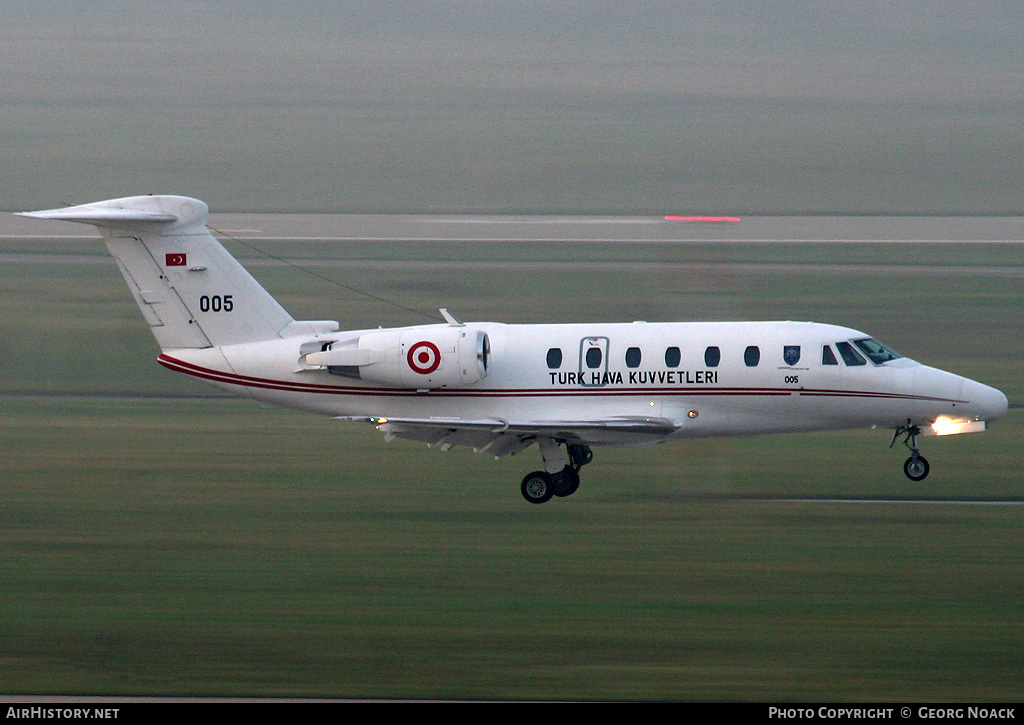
x=500 y=388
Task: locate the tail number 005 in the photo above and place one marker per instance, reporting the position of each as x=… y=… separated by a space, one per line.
x=216 y=303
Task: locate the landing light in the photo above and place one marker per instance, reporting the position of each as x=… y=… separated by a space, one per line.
x=945 y=426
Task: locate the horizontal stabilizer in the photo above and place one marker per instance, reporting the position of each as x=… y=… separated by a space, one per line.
x=93 y=216
x=178 y=212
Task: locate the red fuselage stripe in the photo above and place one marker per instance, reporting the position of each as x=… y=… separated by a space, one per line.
x=318 y=389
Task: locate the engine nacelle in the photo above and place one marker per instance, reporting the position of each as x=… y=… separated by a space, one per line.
x=420 y=357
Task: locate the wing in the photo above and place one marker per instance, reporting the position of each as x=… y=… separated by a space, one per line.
x=502 y=437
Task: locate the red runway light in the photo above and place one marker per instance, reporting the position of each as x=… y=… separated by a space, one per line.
x=702 y=218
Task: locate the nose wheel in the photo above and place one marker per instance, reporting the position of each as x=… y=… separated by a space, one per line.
x=916 y=467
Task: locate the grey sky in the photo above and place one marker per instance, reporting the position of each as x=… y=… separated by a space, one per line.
x=569 y=107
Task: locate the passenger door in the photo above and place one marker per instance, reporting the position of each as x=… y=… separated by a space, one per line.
x=593 y=361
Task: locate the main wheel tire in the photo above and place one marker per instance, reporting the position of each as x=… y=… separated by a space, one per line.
x=916 y=468
x=537 y=487
x=565 y=482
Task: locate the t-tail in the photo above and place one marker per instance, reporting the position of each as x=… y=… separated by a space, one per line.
x=191 y=291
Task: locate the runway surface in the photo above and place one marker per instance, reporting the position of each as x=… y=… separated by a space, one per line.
x=376 y=229
x=497 y=229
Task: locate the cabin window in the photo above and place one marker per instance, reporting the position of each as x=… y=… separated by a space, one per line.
x=594 y=358
x=752 y=356
x=827 y=356
x=849 y=355
x=712 y=356
x=633 y=356
x=555 y=358
x=672 y=357
x=876 y=351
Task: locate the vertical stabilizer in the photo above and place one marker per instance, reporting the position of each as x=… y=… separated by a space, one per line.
x=190 y=290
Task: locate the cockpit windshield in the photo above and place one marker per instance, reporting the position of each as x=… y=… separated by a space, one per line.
x=876 y=351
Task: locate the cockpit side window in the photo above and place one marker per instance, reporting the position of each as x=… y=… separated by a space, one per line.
x=876 y=351
x=827 y=356
x=849 y=355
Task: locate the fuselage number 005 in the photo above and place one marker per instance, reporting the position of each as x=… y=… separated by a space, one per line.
x=216 y=303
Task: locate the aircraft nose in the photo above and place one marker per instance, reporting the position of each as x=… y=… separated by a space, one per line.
x=985 y=402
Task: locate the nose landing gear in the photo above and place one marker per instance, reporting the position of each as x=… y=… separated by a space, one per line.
x=540 y=486
x=916 y=467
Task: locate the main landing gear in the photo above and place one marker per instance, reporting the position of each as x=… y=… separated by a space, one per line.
x=540 y=486
x=916 y=467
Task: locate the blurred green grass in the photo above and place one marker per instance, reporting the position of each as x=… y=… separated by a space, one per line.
x=207 y=546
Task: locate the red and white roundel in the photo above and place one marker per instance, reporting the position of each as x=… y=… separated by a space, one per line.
x=424 y=357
